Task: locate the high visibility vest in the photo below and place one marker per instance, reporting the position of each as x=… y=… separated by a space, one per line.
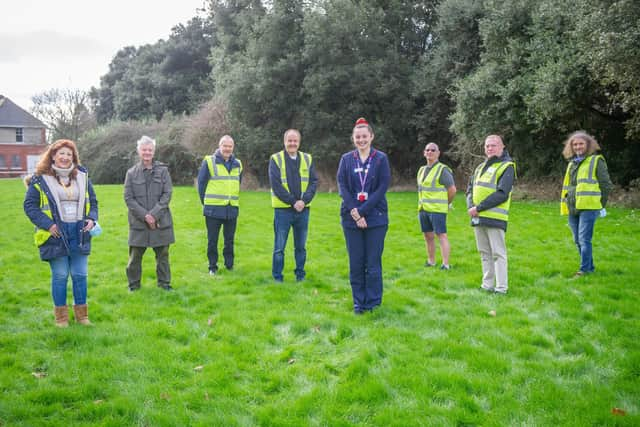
x=588 y=192
x=305 y=165
x=432 y=196
x=485 y=184
x=41 y=236
x=224 y=186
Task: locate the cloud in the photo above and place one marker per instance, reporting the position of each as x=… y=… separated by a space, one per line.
x=47 y=45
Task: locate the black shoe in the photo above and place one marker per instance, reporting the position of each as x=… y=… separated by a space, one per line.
x=229 y=268
x=166 y=287
x=428 y=264
x=445 y=267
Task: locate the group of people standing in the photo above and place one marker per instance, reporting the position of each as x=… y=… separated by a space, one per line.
x=61 y=203
x=488 y=201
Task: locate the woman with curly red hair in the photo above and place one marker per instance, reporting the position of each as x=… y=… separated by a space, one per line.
x=61 y=203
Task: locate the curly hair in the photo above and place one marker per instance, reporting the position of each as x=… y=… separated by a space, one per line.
x=592 y=144
x=46 y=160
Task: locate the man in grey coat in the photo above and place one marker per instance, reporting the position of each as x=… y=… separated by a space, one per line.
x=147 y=193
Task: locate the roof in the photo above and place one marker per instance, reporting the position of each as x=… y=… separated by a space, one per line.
x=13 y=116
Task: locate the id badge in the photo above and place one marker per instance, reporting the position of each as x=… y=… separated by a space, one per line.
x=69 y=209
x=363 y=196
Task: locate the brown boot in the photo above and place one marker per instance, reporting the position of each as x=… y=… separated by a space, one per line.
x=62 y=316
x=82 y=314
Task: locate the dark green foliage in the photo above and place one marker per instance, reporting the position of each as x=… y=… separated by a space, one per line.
x=261 y=78
x=455 y=53
x=536 y=84
x=318 y=67
x=447 y=71
x=168 y=76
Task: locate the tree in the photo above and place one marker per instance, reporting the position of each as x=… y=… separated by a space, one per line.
x=64 y=111
x=262 y=86
x=609 y=34
x=109 y=150
x=455 y=52
x=534 y=85
x=360 y=61
x=168 y=76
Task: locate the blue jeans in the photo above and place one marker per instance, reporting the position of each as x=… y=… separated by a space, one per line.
x=283 y=220
x=365 y=248
x=582 y=228
x=75 y=265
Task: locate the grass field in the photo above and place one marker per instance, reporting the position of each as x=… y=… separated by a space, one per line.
x=238 y=350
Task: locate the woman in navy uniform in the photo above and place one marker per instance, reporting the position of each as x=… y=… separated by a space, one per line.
x=363 y=179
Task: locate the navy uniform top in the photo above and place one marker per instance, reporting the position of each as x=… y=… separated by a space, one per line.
x=350 y=173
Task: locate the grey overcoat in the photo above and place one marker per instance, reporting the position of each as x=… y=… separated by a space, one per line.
x=149 y=192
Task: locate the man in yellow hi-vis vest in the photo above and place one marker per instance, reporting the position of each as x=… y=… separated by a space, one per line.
x=585 y=191
x=293 y=185
x=488 y=201
x=219 y=189
x=436 y=190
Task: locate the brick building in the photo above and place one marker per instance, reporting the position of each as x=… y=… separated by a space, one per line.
x=22 y=140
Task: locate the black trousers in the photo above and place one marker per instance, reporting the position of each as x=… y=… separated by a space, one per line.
x=213 y=233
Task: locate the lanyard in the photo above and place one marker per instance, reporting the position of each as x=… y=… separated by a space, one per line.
x=364 y=166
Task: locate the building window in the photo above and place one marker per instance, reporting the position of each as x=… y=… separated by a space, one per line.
x=19 y=135
x=3 y=162
x=15 y=162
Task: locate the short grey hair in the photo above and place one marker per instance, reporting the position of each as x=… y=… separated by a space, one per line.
x=226 y=138
x=144 y=141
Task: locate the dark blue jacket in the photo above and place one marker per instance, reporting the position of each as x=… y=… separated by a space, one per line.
x=219 y=212
x=374 y=209
x=57 y=247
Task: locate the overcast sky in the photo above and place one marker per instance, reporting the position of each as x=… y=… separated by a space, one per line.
x=49 y=44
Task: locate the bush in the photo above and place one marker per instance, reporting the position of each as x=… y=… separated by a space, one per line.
x=109 y=150
x=204 y=129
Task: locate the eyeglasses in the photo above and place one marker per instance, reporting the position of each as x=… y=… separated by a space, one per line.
x=430 y=149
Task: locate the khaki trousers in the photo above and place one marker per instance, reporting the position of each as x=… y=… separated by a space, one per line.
x=493 y=253
x=134 y=266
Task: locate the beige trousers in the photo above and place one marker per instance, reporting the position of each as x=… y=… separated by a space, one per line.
x=493 y=253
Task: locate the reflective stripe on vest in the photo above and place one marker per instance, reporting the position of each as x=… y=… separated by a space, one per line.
x=223 y=187
x=486 y=184
x=305 y=165
x=41 y=236
x=432 y=196
x=588 y=194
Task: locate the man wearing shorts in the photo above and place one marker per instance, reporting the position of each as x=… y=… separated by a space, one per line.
x=436 y=190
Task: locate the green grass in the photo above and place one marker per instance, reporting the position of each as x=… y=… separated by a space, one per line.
x=238 y=350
